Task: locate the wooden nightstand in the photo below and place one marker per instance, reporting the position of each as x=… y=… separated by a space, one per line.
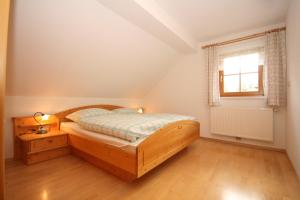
x=41 y=147
x=32 y=147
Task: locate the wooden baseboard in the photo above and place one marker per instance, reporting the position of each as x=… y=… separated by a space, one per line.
x=245 y=145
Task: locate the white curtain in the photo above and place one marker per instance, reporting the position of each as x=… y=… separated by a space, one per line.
x=213 y=76
x=275 y=61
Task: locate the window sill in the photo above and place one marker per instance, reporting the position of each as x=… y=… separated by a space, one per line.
x=245 y=98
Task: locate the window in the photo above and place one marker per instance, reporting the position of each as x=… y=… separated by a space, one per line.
x=242 y=75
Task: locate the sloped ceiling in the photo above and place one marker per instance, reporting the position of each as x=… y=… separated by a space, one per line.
x=208 y=19
x=80 y=48
x=148 y=15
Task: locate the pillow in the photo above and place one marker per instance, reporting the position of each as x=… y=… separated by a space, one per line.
x=125 y=110
x=90 y=112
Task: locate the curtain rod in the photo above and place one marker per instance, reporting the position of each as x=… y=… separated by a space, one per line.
x=256 y=35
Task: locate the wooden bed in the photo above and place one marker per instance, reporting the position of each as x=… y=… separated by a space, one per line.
x=133 y=162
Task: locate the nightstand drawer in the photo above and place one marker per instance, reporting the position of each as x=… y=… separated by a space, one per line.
x=48 y=143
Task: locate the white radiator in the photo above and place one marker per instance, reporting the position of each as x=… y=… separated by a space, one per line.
x=252 y=123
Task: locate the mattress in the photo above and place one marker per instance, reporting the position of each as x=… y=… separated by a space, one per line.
x=75 y=129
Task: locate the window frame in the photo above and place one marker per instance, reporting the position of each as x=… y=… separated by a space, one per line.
x=260 y=91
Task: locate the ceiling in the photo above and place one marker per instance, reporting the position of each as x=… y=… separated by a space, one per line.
x=208 y=19
x=81 y=49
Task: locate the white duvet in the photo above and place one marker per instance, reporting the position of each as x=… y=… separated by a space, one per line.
x=129 y=126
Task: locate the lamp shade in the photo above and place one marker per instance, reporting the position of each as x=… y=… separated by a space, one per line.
x=141 y=110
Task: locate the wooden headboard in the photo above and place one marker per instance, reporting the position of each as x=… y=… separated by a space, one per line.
x=62 y=115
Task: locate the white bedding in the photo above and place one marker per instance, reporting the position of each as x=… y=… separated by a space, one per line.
x=130 y=127
x=75 y=129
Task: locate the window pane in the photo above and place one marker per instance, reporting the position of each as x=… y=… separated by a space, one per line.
x=232 y=83
x=249 y=63
x=249 y=82
x=231 y=65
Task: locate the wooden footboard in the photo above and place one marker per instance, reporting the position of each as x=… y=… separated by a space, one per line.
x=165 y=143
x=119 y=161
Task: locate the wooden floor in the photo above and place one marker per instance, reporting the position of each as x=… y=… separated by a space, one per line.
x=206 y=170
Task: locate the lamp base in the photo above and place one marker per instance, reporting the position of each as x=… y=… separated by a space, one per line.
x=42 y=130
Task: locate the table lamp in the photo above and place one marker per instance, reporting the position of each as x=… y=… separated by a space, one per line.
x=40 y=117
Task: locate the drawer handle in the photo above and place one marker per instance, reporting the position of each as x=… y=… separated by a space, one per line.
x=179 y=126
x=50 y=141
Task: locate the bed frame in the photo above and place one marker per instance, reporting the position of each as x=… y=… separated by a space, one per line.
x=129 y=162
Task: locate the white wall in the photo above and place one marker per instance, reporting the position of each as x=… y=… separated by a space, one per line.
x=293 y=109
x=184 y=90
x=17 y=106
x=81 y=48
